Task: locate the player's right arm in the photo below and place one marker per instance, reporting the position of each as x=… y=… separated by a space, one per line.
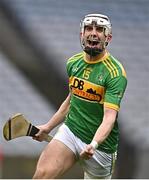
x=56 y=119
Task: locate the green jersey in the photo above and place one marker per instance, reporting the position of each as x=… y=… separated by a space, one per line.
x=94 y=85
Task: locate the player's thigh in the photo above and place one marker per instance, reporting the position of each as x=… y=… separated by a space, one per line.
x=57 y=157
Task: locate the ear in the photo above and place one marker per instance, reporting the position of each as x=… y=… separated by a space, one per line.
x=81 y=34
x=109 y=38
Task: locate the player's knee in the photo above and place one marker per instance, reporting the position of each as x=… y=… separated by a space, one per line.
x=55 y=171
x=48 y=173
x=40 y=173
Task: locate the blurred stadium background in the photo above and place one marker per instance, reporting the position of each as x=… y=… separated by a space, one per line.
x=36 y=39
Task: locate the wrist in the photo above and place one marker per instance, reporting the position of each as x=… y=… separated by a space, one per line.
x=47 y=128
x=94 y=144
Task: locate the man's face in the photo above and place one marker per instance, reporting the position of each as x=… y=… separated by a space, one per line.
x=94 y=37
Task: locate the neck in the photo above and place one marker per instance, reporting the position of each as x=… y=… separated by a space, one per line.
x=95 y=58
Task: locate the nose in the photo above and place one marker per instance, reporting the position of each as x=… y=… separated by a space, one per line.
x=94 y=32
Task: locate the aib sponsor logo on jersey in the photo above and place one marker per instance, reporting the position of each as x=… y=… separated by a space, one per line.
x=86 y=90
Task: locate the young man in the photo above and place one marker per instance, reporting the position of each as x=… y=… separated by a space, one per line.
x=89 y=132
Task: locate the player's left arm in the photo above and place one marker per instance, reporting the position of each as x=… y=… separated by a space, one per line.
x=102 y=132
x=106 y=126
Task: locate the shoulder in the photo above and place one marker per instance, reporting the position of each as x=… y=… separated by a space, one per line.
x=74 y=58
x=72 y=61
x=115 y=67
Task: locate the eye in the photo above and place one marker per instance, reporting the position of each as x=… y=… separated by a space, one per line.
x=99 y=29
x=88 y=28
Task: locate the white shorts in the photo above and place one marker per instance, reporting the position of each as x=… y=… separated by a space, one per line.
x=101 y=165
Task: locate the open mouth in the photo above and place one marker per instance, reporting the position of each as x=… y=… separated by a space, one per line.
x=93 y=43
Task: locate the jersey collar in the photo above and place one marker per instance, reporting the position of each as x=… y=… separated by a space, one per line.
x=96 y=61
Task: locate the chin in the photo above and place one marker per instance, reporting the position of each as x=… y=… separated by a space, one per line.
x=93 y=51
